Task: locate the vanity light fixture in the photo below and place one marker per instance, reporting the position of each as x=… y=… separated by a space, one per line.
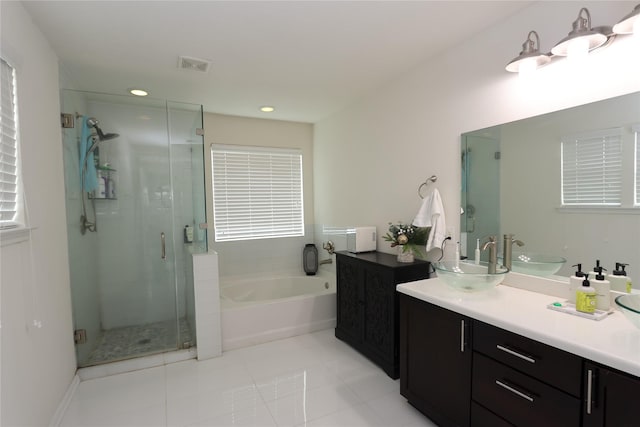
x=267 y=109
x=582 y=39
x=138 y=92
x=530 y=58
x=630 y=24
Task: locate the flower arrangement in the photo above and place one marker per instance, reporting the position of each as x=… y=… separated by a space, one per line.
x=409 y=237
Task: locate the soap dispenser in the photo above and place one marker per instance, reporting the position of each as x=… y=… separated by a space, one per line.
x=595 y=270
x=603 y=289
x=575 y=282
x=586 y=297
x=620 y=282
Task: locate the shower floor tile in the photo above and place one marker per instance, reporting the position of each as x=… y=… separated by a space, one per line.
x=132 y=341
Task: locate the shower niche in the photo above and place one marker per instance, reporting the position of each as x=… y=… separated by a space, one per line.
x=134 y=176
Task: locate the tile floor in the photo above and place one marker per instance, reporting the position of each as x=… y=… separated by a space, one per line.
x=309 y=380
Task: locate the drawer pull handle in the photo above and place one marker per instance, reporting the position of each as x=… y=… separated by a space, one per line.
x=515 y=353
x=462 y=336
x=589 y=390
x=514 y=391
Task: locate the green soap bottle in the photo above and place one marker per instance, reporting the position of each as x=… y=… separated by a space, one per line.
x=586 y=297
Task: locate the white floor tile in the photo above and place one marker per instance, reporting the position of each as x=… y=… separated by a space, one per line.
x=273 y=387
x=192 y=409
x=258 y=416
x=306 y=405
x=370 y=383
x=311 y=379
x=394 y=410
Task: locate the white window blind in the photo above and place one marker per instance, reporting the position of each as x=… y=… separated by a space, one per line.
x=8 y=147
x=257 y=192
x=592 y=168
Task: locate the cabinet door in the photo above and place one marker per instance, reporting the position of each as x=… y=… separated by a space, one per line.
x=609 y=398
x=435 y=361
x=379 y=312
x=349 y=300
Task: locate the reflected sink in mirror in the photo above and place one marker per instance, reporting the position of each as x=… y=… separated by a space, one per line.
x=629 y=305
x=467 y=277
x=535 y=264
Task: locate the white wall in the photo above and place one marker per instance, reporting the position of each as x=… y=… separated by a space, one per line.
x=266 y=255
x=371 y=157
x=38 y=364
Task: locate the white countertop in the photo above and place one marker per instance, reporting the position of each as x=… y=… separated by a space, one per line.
x=612 y=341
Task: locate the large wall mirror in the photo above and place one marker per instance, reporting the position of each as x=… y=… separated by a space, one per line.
x=512 y=182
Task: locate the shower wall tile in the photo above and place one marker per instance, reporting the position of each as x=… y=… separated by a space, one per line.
x=207 y=304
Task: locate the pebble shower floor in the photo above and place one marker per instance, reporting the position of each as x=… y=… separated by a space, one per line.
x=130 y=341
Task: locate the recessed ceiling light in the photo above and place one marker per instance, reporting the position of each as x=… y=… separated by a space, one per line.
x=267 y=109
x=138 y=92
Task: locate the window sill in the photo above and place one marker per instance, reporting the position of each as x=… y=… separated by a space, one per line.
x=604 y=210
x=12 y=236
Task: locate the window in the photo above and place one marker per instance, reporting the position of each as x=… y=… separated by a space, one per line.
x=9 y=184
x=257 y=192
x=592 y=169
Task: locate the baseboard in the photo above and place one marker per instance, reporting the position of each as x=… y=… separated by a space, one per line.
x=64 y=403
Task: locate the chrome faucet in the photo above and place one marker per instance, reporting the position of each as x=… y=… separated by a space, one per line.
x=507 y=249
x=492 y=245
x=329 y=247
x=326 y=261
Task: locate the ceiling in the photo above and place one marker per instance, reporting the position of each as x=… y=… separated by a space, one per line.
x=307 y=58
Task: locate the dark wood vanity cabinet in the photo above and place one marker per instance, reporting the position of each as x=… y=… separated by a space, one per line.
x=367 y=303
x=610 y=397
x=463 y=372
x=435 y=361
x=524 y=382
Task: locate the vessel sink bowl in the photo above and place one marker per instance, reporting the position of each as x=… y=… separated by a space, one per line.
x=536 y=264
x=629 y=305
x=469 y=277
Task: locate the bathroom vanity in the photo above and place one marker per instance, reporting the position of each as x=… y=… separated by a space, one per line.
x=501 y=358
x=367 y=303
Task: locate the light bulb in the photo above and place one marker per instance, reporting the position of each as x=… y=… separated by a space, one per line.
x=578 y=49
x=527 y=67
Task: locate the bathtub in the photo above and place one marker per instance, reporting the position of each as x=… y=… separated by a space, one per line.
x=260 y=309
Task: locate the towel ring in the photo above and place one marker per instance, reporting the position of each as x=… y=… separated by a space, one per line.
x=432 y=178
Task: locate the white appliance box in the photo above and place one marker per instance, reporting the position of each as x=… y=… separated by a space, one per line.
x=362 y=239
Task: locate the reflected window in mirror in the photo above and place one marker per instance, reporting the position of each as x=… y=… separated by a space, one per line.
x=512 y=184
x=592 y=168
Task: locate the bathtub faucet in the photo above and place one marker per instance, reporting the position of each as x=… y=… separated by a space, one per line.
x=325 y=261
x=329 y=247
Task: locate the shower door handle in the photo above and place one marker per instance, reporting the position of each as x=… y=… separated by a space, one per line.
x=163 y=247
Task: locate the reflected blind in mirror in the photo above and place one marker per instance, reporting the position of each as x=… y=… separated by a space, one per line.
x=592 y=168
x=257 y=192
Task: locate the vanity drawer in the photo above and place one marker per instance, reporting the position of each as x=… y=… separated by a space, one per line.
x=520 y=399
x=548 y=364
x=482 y=417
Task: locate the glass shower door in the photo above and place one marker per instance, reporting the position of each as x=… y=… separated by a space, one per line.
x=123 y=275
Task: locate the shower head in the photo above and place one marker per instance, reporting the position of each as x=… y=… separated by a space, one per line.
x=93 y=123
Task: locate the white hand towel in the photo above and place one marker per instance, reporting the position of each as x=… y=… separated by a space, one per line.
x=431 y=214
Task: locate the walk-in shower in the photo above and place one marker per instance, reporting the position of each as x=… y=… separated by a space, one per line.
x=131 y=277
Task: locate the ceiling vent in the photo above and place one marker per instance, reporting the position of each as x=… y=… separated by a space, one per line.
x=195 y=64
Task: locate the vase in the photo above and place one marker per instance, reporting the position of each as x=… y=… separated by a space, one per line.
x=405 y=256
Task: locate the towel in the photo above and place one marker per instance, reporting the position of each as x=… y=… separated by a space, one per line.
x=90 y=174
x=431 y=214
